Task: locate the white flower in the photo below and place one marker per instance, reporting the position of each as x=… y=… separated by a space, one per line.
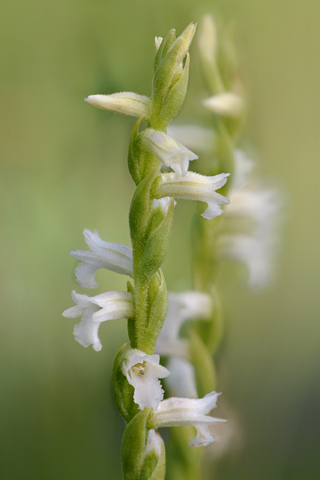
x=181 y=308
x=175 y=412
x=112 y=256
x=143 y=372
x=193 y=186
x=193 y=136
x=171 y=153
x=128 y=103
x=181 y=381
x=94 y=310
x=227 y=104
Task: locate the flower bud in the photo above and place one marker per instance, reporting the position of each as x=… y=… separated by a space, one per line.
x=127 y=103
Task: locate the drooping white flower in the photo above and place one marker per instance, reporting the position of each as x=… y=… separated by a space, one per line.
x=94 y=310
x=112 y=256
x=193 y=186
x=127 y=103
x=175 y=412
x=226 y=104
x=171 y=153
x=143 y=372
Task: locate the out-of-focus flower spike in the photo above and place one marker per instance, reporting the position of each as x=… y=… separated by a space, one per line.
x=127 y=103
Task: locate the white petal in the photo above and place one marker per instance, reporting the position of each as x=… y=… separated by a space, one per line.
x=181 y=381
x=171 y=153
x=112 y=256
x=184 y=411
x=193 y=186
x=115 y=305
x=128 y=103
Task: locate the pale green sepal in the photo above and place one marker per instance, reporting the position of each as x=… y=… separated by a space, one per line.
x=176 y=95
x=167 y=70
x=134 y=443
x=227 y=57
x=134 y=153
x=203 y=365
x=154 y=465
x=158 y=306
x=164 y=47
x=156 y=245
x=139 y=214
x=122 y=391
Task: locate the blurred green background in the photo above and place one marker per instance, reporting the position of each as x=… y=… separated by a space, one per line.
x=63 y=168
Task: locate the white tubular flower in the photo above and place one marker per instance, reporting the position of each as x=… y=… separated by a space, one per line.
x=175 y=412
x=193 y=136
x=193 y=186
x=112 y=256
x=127 y=103
x=171 y=153
x=143 y=372
x=94 y=310
x=226 y=104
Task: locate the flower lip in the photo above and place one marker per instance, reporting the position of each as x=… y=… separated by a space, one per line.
x=143 y=372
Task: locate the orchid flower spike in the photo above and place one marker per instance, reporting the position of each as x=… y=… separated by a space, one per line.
x=143 y=372
x=193 y=186
x=175 y=412
x=171 y=153
x=112 y=256
x=94 y=310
